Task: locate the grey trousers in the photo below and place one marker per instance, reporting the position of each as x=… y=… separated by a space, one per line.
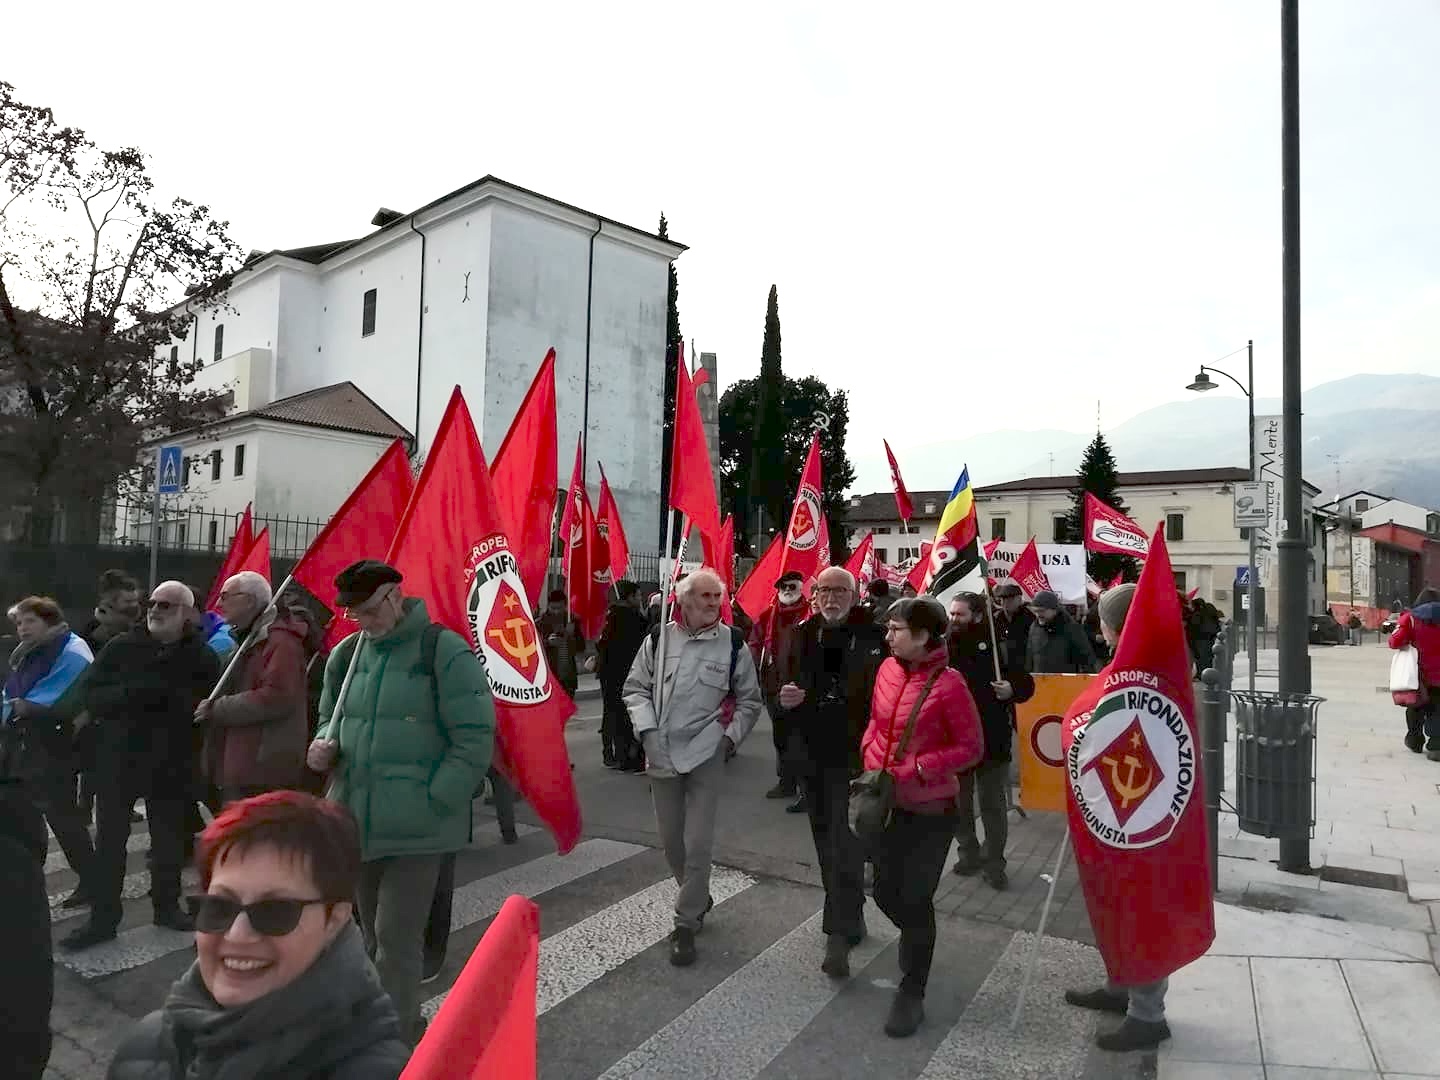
x=394 y=898
x=988 y=782
x=1147 y=1001
x=685 y=817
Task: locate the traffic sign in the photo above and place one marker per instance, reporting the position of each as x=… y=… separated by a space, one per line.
x=1252 y=504
x=1242 y=576
x=168 y=474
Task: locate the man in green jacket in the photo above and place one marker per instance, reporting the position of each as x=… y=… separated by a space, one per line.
x=406 y=752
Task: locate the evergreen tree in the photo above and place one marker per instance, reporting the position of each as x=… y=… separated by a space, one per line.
x=672 y=354
x=765 y=491
x=1098 y=476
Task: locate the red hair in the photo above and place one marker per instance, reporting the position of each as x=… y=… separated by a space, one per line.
x=323 y=834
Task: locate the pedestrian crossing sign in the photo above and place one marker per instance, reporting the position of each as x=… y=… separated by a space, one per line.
x=168 y=473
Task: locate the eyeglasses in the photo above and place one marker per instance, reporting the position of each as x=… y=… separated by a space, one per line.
x=827 y=590
x=273 y=918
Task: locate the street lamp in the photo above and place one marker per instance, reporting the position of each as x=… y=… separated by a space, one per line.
x=1202 y=383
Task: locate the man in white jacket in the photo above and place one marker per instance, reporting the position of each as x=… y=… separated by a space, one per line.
x=686 y=740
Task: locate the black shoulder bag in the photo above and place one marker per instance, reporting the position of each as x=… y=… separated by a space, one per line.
x=872 y=793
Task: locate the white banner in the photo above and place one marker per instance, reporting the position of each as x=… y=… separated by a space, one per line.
x=1064 y=566
x=1269 y=466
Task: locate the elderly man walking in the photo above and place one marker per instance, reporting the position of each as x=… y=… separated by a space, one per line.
x=258 y=729
x=685 y=743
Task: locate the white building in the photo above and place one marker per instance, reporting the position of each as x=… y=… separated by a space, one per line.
x=472 y=288
x=1371 y=509
x=1196 y=506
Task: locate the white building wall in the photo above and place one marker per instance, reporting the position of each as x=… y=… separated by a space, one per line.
x=1397 y=512
x=306 y=472
x=457 y=304
x=298 y=353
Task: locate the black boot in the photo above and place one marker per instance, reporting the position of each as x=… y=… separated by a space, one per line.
x=969 y=864
x=172 y=918
x=996 y=878
x=1102 y=999
x=785 y=789
x=1134 y=1035
x=837 y=957
x=799 y=806
x=92 y=933
x=682 y=947
x=907 y=1012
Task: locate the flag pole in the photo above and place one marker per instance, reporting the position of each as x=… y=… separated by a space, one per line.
x=340 y=703
x=1039 y=933
x=990 y=618
x=667 y=575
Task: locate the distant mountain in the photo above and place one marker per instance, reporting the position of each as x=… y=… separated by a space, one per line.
x=1380 y=432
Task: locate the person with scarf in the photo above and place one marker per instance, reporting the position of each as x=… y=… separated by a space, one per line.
x=35 y=743
x=281 y=985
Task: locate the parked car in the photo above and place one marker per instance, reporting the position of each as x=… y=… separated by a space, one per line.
x=1324 y=630
x=1387 y=627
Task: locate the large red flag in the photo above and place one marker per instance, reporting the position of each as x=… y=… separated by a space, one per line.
x=1134 y=792
x=612 y=531
x=363 y=527
x=452 y=549
x=1028 y=573
x=862 y=562
x=719 y=553
x=921 y=570
x=258 y=557
x=572 y=521
x=485 y=1029
x=524 y=472
x=807 y=540
x=589 y=569
x=757 y=592
x=1108 y=530
x=902 y=496
x=240 y=545
x=692 y=484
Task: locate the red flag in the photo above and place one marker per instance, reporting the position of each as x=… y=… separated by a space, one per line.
x=862 y=562
x=240 y=545
x=989 y=548
x=692 y=484
x=486 y=1026
x=719 y=554
x=363 y=527
x=1193 y=593
x=1117 y=580
x=1134 y=792
x=258 y=557
x=453 y=551
x=921 y=570
x=612 y=531
x=1028 y=573
x=807 y=540
x=590 y=563
x=1108 y=530
x=524 y=472
x=891 y=575
x=757 y=592
x=902 y=497
x=572 y=521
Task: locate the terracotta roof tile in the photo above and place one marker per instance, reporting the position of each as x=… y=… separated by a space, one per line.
x=341 y=407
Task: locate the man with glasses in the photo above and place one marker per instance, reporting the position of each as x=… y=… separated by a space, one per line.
x=142 y=691
x=406 y=750
x=838 y=653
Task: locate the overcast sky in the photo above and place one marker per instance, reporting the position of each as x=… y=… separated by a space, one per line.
x=979 y=215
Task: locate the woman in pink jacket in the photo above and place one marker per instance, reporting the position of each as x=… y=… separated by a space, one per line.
x=910 y=855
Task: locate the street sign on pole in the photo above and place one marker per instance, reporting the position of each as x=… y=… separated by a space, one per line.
x=167 y=473
x=1242 y=576
x=1252 y=504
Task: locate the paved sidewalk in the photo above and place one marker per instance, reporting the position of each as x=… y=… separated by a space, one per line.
x=1312 y=978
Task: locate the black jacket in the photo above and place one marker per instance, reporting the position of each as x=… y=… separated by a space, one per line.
x=1060 y=646
x=1015 y=631
x=27 y=976
x=141 y=694
x=972 y=656
x=620 y=640
x=835 y=666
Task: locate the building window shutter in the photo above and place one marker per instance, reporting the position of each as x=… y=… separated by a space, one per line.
x=367 y=315
x=240 y=460
x=219 y=341
x=1174 y=526
x=215 y=456
x=997 y=528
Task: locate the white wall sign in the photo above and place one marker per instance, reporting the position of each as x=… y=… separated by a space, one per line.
x=1252 y=504
x=1064 y=566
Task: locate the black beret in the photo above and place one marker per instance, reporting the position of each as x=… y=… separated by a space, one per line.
x=358 y=581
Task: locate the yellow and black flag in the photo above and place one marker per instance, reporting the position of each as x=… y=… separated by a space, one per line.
x=956 y=560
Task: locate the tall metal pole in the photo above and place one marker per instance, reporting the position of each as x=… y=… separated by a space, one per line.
x=1252 y=644
x=1294 y=587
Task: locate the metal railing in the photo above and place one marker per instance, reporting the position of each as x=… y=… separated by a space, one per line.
x=193 y=528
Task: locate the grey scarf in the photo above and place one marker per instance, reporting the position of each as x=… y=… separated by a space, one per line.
x=25 y=648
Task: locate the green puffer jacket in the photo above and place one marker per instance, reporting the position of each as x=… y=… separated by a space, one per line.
x=407 y=774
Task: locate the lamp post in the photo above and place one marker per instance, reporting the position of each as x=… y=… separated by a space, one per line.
x=1202 y=383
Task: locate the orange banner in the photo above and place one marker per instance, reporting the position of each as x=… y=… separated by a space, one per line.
x=1038 y=723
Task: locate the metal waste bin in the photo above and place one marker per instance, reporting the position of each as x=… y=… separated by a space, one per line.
x=1275 y=769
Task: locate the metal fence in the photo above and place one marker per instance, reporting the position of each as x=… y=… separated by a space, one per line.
x=125 y=523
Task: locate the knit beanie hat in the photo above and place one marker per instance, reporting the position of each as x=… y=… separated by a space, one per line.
x=1115 y=605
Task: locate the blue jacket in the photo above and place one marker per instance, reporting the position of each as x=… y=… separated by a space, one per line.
x=74 y=657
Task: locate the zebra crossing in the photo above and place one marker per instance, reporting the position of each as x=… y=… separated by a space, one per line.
x=609 y=1004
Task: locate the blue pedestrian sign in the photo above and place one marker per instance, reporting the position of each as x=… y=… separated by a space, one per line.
x=169 y=471
x=1242 y=576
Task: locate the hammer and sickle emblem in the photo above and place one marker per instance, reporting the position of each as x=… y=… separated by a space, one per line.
x=513 y=640
x=1130 y=790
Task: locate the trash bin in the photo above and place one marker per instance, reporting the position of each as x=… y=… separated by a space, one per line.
x=1275 y=762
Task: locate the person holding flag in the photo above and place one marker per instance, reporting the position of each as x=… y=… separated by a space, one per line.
x=1136 y=808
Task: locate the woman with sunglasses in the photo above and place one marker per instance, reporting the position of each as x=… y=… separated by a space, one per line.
x=281 y=985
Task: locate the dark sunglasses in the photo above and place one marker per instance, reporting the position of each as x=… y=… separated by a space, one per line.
x=162 y=606
x=273 y=918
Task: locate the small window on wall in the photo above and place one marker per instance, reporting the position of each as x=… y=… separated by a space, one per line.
x=215 y=464
x=184 y=473
x=1361 y=505
x=1174 y=526
x=997 y=528
x=240 y=460
x=213 y=539
x=219 y=341
x=883 y=530
x=881 y=555
x=1180 y=580
x=174 y=361
x=1059 y=529
x=367 y=314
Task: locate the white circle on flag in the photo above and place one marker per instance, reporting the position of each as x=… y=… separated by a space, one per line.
x=502 y=626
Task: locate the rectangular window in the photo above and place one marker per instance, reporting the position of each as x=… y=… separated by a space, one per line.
x=909 y=553
x=240 y=460
x=174 y=361
x=214 y=538
x=997 y=528
x=929 y=508
x=881 y=555
x=367 y=315
x=184 y=473
x=1180 y=580
x=147 y=473
x=1174 y=526
x=219 y=341
x=1059 y=529
x=1361 y=505
x=214 y=464
x=883 y=530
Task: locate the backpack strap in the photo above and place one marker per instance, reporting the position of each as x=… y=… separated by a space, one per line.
x=737 y=642
x=429 y=646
